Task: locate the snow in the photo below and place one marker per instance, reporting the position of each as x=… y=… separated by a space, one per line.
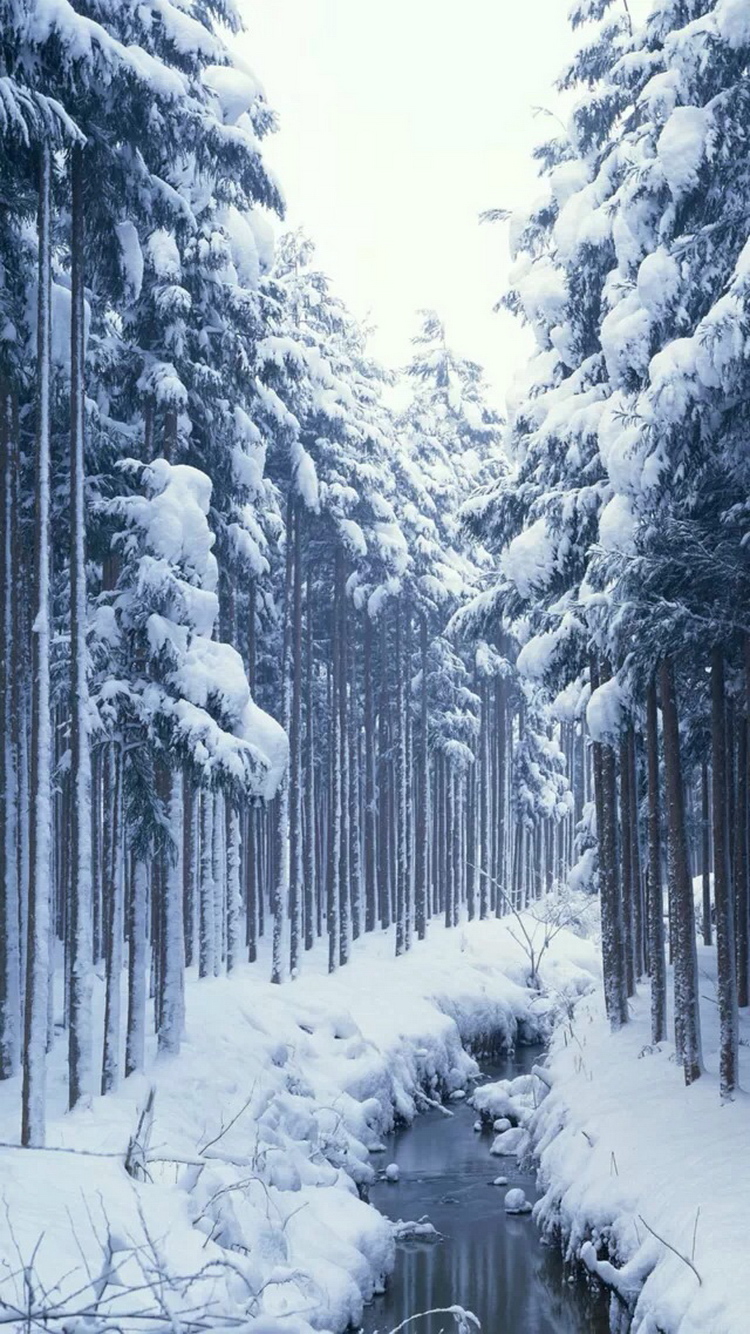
x=528 y=561
x=604 y=711
x=681 y=148
x=617 y=525
x=131 y=257
x=516 y=1202
x=732 y=18
x=262 y=1127
x=626 y=1151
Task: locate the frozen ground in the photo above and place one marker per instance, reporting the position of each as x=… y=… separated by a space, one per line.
x=248 y=1213
x=627 y=1152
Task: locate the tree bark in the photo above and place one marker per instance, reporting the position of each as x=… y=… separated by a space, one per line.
x=687 y=1018
x=81 y=959
x=725 y=943
x=38 y=946
x=656 y=957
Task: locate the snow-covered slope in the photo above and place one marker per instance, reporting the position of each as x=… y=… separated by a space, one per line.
x=262 y=1131
x=646 y=1180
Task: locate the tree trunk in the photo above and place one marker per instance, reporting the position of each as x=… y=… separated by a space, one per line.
x=81 y=965
x=706 y=854
x=10 y=958
x=172 y=980
x=613 y=957
x=311 y=862
x=725 y=943
x=371 y=905
x=38 y=946
x=137 y=914
x=207 y=932
x=687 y=1018
x=113 y=913
x=656 y=955
x=295 y=752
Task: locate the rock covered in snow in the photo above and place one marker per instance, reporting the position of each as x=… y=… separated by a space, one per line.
x=510 y=1142
x=392 y=1172
x=516 y=1202
x=421 y=1230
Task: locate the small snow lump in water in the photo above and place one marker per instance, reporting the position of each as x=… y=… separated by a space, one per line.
x=516 y=1202
x=392 y=1172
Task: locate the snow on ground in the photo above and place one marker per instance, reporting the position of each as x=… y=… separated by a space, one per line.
x=627 y=1152
x=264 y=1134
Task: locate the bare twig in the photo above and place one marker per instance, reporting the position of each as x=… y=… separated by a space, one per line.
x=672 y=1248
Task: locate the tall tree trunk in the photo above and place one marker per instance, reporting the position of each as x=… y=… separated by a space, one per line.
x=234 y=892
x=423 y=794
x=280 y=894
x=627 y=865
x=705 y=855
x=40 y=834
x=371 y=905
x=137 y=918
x=10 y=957
x=188 y=866
x=114 y=914
x=295 y=753
x=741 y=862
x=207 y=930
x=172 y=980
x=725 y=944
x=79 y=1032
x=687 y=1018
x=345 y=887
x=383 y=774
x=613 y=957
x=311 y=861
x=656 y=955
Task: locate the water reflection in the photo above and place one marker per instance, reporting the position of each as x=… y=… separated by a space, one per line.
x=490 y=1263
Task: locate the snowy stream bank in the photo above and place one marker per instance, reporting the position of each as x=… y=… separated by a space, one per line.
x=264 y=1135
x=644 y=1180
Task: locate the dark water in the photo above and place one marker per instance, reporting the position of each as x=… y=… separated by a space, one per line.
x=490 y=1263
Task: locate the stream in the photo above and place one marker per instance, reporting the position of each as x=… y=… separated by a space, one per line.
x=490 y=1263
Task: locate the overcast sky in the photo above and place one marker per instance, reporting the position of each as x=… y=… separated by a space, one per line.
x=400 y=121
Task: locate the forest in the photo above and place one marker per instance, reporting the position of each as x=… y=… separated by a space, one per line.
x=299 y=648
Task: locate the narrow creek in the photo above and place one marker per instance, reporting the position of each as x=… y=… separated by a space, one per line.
x=488 y=1262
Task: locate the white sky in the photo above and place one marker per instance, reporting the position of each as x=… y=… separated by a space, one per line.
x=400 y=121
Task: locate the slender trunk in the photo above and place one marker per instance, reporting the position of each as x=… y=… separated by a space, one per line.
x=295 y=752
x=207 y=895
x=627 y=865
x=81 y=964
x=114 y=914
x=371 y=907
x=741 y=862
x=484 y=802
x=342 y=814
x=725 y=944
x=423 y=794
x=705 y=855
x=687 y=1019
x=613 y=961
x=383 y=746
x=400 y=768
x=40 y=833
x=137 y=915
x=234 y=894
x=172 y=981
x=280 y=894
x=311 y=863
x=10 y=960
x=656 y=956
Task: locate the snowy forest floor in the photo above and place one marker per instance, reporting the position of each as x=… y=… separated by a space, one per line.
x=247 y=1207
x=647 y=1172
